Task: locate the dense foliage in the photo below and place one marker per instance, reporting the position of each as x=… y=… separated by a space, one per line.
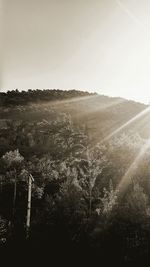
x=75 y=194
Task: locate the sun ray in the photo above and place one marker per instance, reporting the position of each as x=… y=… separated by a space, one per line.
x=69 y=100
x=132 y=16
x=96 y=106
x=85 y=105
x=126 y=179
x=122 y=127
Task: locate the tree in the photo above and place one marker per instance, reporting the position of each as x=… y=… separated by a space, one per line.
x=108 y=201
x=13 y=160
x=137 y=202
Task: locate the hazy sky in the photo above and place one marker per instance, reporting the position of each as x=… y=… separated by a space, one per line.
x=95 y=45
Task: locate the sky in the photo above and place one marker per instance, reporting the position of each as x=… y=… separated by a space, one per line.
x=95 y=45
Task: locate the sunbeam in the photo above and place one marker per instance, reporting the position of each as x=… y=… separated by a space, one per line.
x=85 y=105
x=94 y=106
x=126 y=179
x=132 y=16
x=138 y=116
x=69 y=100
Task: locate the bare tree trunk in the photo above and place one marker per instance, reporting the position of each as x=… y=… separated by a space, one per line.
x=29 y=207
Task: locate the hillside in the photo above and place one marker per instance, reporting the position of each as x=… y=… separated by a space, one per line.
x=89 y=157
x=98 y=115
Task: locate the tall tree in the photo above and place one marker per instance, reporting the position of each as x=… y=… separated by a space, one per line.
x=13 y=160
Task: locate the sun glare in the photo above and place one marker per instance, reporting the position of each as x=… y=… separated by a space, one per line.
x=127 y=178
x=138 y=116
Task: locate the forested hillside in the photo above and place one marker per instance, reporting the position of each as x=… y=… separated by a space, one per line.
x=89 y=156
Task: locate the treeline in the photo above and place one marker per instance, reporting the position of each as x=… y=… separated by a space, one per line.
x=16 y=97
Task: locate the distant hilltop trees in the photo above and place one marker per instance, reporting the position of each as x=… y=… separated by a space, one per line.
x=15 y=97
